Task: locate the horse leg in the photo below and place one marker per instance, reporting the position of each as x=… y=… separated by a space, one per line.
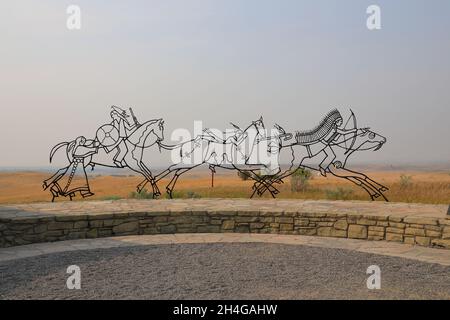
x=267 y=184
x=171 y=185
x=278 y=179
x=162 y=175
x=156 y=178
x=377 y=192
x=373 y=194
x=146 y=172
x=264 y=187
x=372 y=191
x=264 y=183
x=156 y=191
x=363 y=179
x=168 y=187
x=54 y=191
x=141 y=185
x=260 y=187
x=381 y=188
x=292 y=168
x=147 y=178
x=178 y=173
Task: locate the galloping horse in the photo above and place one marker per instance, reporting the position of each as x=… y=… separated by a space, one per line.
x=343 y=147
x=241 y=151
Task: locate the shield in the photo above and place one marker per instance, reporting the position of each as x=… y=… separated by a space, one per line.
x=107 y=135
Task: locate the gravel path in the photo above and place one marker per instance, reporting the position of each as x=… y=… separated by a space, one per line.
x=221 y=271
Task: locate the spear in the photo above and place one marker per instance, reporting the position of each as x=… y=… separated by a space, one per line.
x=134 y=117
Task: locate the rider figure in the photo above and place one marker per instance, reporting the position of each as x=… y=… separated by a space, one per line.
x=120 y=122
x=238 y=136
x=332 y=136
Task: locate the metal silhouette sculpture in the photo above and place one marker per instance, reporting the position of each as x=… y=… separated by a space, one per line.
x=226 y=152
x=118 y=144
x=122 y=142
x=332 y=143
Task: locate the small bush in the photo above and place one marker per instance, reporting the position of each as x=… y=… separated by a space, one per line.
x=339 y=193
x=112 y=197
x=175 y=195
x=144 y=194
x=192 y=195
x=243 y=175
x=300 y=179
x=405 y=181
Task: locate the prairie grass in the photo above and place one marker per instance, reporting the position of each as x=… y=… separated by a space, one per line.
x=111 y=197
x=422 y=187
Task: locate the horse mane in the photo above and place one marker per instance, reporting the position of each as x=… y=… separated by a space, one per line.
x=138 y=136
x=319 y=131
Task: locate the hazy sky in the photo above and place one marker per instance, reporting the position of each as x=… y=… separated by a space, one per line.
x=221 y=61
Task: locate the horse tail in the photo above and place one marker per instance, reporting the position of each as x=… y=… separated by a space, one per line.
x=55 y=148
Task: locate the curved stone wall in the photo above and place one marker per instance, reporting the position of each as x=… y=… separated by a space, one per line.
x=424 y=225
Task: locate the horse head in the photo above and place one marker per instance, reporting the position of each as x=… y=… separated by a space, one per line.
x=259 y=127
x=365 y=139
x=159 y=130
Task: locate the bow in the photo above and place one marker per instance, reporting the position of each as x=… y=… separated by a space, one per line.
x=353 y=117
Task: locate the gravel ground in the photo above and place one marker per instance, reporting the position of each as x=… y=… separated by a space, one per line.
x=221 y=271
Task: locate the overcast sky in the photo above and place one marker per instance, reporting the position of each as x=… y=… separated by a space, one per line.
x=221 y=61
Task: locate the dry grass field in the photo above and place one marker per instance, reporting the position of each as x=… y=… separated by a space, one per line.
x=422 y=186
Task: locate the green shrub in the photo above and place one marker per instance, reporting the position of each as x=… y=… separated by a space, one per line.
x=192 y=195
x=339 y=193
x=405 y=181
x=144 y=194
x=300 y=179
x=111 y=197
x=243 y=175
x=175 y=195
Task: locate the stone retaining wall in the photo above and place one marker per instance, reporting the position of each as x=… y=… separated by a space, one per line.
x=24 y=227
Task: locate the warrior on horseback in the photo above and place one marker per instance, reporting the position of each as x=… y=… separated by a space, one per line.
x=124 y=128
x=325 y=134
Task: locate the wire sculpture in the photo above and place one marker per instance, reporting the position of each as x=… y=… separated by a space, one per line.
x=121 y=144
x=335 y=145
